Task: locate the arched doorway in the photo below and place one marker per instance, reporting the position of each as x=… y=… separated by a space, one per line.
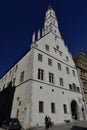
x=74 y=110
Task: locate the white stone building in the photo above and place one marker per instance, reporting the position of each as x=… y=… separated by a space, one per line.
x=46 y=80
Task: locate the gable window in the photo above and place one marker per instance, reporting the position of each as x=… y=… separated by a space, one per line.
x=22 y=76
x=67 y=58
x=59 y=66
x=50 y=62
x=65 y=108
x=41 y=106
x=78 y=90
x=67 y=70
x=53 y=107
x=73 y=73
x=61 y=81
x=40 y=74
x=39 y=57
x=51 y=77
x=47 y=47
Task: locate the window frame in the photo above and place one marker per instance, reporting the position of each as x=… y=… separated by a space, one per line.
x=53 y=110
x=65 y=108
x=40 y=74
x=41 y=107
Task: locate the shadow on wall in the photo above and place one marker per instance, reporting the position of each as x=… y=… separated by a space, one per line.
x=78 y=128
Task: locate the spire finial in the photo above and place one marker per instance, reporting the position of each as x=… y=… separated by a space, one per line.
x=49 y=7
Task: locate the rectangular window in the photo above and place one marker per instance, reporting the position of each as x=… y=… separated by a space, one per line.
x=53 y=107
x=61 y=81
x=22 y=76
x=47 y=47
x=73 y=73
x=51 y=77
x=70 y=87
x=65 y=108
x=78 y=90
x=59 y=66
x=40 y=74
x=74 y=87
x=41 y=106
x=67 y=70
x=50 y=62
x=39 y=57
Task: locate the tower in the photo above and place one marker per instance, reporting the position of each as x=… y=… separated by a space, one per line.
x=51 y=23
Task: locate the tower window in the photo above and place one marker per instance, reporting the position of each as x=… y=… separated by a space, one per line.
x=40 y=74
x=41 y=106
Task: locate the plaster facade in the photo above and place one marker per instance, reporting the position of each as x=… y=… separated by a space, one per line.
x=46 y=80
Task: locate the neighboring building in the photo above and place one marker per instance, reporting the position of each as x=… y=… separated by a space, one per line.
x=81 y=65
x=45 y=80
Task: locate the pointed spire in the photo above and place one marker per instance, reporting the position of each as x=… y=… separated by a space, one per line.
x=49 y=7
x=33 y=37
x=51 y=23
x=38 y=34
x=43 y=32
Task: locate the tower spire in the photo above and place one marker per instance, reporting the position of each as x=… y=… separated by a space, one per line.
x=51 y=23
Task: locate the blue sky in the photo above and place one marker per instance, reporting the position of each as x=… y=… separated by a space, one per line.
x=19 y=18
